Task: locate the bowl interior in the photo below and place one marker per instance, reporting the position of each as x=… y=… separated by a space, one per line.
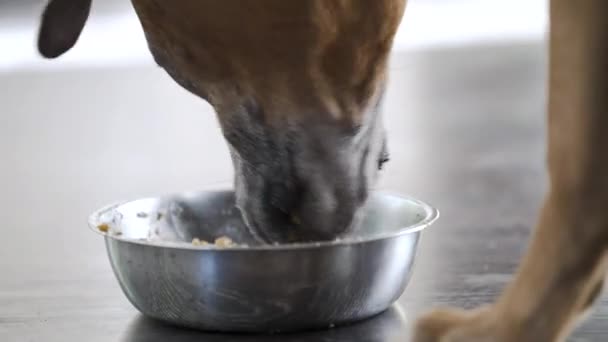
x=179 y=219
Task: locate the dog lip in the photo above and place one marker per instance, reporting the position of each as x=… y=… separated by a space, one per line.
x=261 y=235
x=250 y=227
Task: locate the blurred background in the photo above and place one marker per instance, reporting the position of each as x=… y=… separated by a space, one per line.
x=105 y=104
x=113 y=36
x=464 y=113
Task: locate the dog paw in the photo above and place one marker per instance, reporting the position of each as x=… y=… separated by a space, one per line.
x=447 y=325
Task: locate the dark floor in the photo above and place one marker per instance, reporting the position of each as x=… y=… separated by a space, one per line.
x=466 y=134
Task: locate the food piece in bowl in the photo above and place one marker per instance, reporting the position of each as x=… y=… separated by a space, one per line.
x=106 y=228
x=224 y=241
x=221 y=242
x=199 y=242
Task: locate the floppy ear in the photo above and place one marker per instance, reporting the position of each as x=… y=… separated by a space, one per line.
x=61 y=24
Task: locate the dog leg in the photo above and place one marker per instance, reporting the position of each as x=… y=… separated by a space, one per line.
x=562 y=272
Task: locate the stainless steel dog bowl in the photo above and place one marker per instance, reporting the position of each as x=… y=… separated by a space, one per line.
x=252 y=287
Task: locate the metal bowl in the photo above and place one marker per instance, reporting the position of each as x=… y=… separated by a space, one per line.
x=251 y=287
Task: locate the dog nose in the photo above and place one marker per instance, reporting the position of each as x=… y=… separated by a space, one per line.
x=301 y=216
x=325 y=215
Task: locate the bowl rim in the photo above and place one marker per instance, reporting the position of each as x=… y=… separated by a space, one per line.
x=431 y=215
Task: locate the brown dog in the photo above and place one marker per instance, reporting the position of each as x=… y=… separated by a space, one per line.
x=297 y=86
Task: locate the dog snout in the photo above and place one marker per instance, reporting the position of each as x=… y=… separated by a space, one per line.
x=300 y=215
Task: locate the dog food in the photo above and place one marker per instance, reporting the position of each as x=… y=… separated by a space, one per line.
x=199 y=242
x=221 y=242
x=104 y=228
x=224 y=241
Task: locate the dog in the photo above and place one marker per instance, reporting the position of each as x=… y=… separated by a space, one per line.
x=297 y=86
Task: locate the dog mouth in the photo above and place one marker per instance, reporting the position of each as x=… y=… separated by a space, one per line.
x=283 y=228
x=270 y=229
x=290 y=229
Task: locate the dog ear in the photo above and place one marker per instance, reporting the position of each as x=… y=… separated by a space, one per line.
x=60 y=26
